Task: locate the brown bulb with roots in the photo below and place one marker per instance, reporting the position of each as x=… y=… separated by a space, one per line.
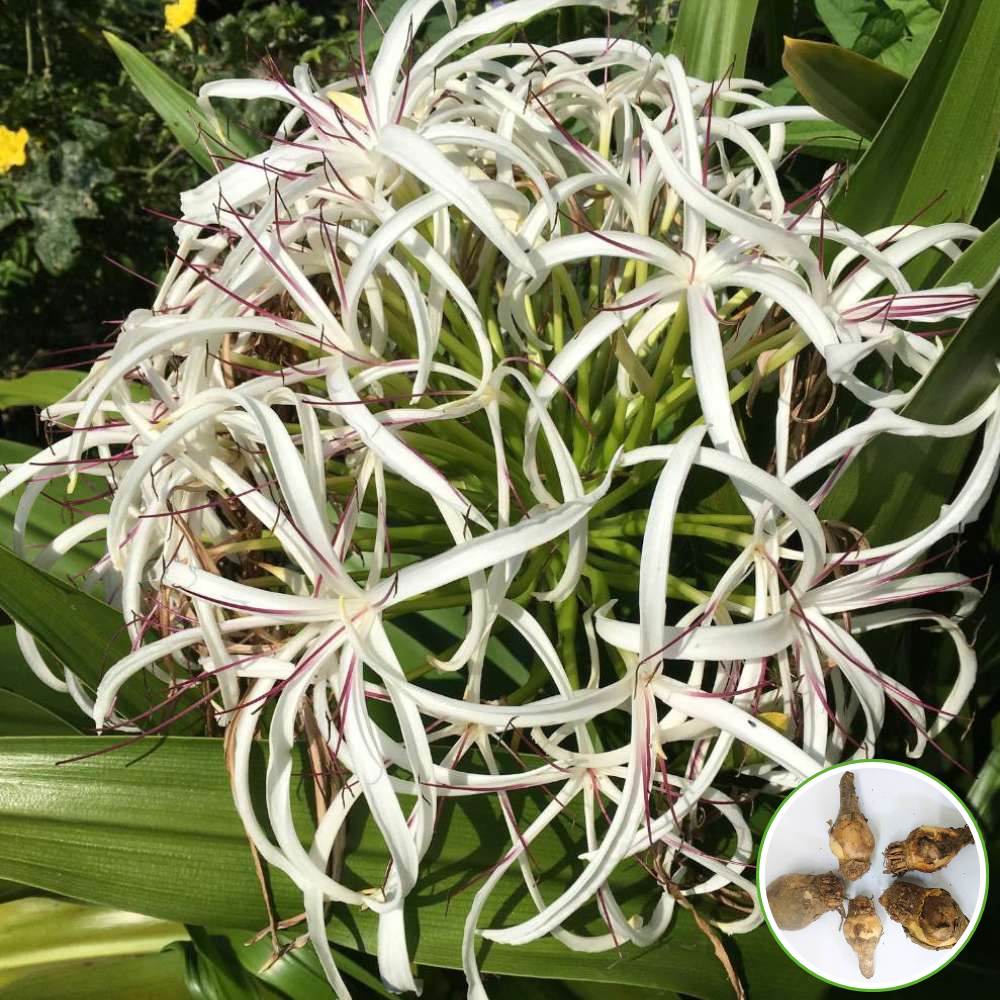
x=926 y=849
x=930 y=917
x=797 y=900
x=863 y=930
x=851 y=838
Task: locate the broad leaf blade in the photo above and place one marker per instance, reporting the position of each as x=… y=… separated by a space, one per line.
x=153 y=827
x=41 y=930
x=39 y=388
x=80 y=631
x=712 y=36
x=48 y=518
x=17 y=679
x=913 y=169
x=202 y=136
x=19 y=716
x=826 y=141
x=146 y=977
x=849 y=89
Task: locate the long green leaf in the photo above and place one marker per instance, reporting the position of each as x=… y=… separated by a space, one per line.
x=48 y=518
x=712 y=36
x=985 y=790
x=19 y=716
x=214 y=971
x=40 y=930
x=826 y=141
x=37 y=388
x=80 y=631
x=202 y=136
x=846 y=87
x=918 y=475
x=17 y=679
x=153 y=828
x=931 y=160
x=146 y=977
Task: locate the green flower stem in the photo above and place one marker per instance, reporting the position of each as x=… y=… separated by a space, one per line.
x=677 y=588
x=448 y=451
x=466 y=358
x=634 y=525
x=486 y=295
x=780 y=357
x=567 y=618
x=617 y=547
x=642 y=428
x=527 y=581
x=435 y=602
x=638 y=479
x=538 y=677
x=786 y=344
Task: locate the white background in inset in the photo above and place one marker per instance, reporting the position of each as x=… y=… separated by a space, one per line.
x=895 y=799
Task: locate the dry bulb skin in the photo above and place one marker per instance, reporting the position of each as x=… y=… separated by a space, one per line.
x=797 y=900
x=926 y=849
x=863 y=930
x=930 y=917
x=851 y=838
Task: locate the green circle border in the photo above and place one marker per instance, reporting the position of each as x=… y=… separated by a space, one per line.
x=981 y=843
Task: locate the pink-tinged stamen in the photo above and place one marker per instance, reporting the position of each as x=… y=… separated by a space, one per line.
x=86 y=463
x=406 y=73
x=581 y=223
x=818 y=689
x=602 y=906
x=686 y=631
x=891 y=238
x=220 y=502
x=645 y=766
x=328 y=165
x=97 y=345
x=877 y=675
x=926 y=734
x=574 y=143
x=259 y=310
x=646 y=300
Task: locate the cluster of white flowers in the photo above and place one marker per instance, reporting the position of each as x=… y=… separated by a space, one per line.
x=427 y=271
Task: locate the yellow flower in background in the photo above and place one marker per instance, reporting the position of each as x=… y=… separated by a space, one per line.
x=12 y=146
x=177 y=15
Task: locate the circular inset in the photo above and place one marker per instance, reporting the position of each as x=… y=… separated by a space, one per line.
x=926 y=882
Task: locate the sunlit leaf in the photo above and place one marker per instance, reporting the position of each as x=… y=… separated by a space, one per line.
x=712 y=36
x=37 y=388
x=154 y=827
x=952 y=102
x=846 y=87
x=202 y=136
x=80 y=631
